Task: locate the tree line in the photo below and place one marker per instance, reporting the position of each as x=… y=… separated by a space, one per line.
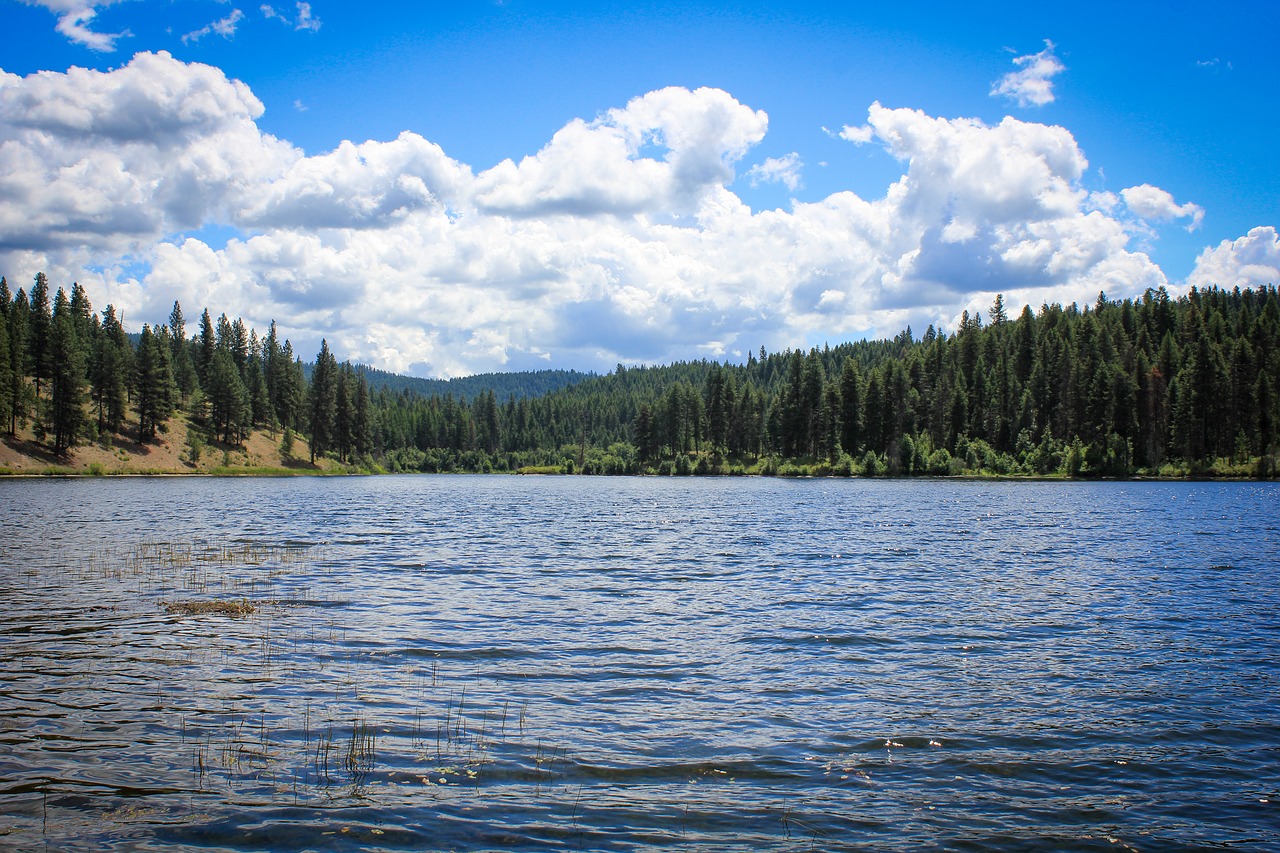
x=1154 y=385
x=76 y=376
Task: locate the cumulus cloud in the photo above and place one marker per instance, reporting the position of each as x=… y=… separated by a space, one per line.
x=75 y=18
x=599 y=166
x=783 y=170
x=113 y=161
x=990 y=209
x=225 y=27
x=359 y=186
x=1151 y=202
x=1251 y=261
x=1032 y=84
x=619 y=240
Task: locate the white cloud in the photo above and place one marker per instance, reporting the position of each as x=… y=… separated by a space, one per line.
x=1151 y=202
x=619 y=240
x=857 y=135
x=358 y=186
x=75 y=18
x=1214 y=64
x=225 y=27
x=1032 y=84
x=1251 y=261
x=306 y=21
x=601 y=167
x=783 y=170
x=113 y=161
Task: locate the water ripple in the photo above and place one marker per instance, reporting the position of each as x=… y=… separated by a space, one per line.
x=576 y=663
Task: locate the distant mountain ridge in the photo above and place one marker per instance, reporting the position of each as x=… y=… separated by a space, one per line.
x=520 y=385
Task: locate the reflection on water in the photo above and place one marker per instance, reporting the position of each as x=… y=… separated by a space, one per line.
x=480 y=663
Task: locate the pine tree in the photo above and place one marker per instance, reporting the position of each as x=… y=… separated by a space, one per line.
x=487 y=420
x=792 y=421
x=998 y=314
x=240 y=347
x=6 y=367
x=272 y=357
x=1267 y=416
x=813 y=381
x=66 y=378
x=259 y=400
x=19 y=317
x=293 y=394
x=229 y=405
x=109 y=372
x=184 y=369
x=6 y=356
x=82 y=317
x=343 y=411
x=829 y=422
x=718 y=410
x=1024 y=345
x=850 y=407
x=323 y=401
x=40 y=324
x=1198 y=411
x=642 y=433
x=207 y=344
x=362 y=425
x=154 y=389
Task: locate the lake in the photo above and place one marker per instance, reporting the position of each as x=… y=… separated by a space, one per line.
x=577 y=663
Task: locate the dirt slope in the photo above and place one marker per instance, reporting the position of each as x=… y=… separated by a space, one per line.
x=169 y=454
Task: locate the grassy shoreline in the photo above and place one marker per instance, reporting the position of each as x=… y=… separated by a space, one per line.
x=261 y=455
x=63 y=472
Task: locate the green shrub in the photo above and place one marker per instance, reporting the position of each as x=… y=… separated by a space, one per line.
x=195 y=445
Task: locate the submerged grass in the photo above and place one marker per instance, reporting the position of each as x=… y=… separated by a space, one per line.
x=314 y=716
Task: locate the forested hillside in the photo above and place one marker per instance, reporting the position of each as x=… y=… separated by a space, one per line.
x=1154 y=386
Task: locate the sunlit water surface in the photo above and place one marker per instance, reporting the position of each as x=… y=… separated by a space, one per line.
x=503 y=663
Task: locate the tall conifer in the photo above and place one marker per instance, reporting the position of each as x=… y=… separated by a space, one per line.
x=66 y=378
x=19 y=318
x=323 y=401
x=40 y=324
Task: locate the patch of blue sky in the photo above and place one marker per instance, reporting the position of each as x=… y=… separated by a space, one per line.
x=214 y=236
x=135 y=267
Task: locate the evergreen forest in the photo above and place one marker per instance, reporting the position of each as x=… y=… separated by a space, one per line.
x=1153 y=386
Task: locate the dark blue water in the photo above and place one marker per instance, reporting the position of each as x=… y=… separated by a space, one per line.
x=494 y=663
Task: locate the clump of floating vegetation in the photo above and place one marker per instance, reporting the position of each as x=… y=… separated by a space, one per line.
x=204 y=608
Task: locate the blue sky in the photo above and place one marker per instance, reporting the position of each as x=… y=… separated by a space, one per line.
x=684 y=180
